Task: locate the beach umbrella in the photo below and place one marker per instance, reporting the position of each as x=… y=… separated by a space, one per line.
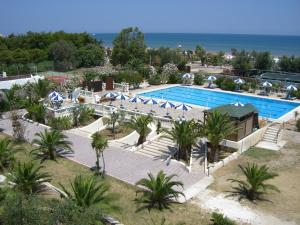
x=183 y=107
x=239 y=81
x=238 y=104
x=187 y=76
x=267 y=84
x=122 y=97
x=111 y=96
x=291 y=88
x=57 y=98
x=211 y=79
x=167 y=105
x=53 y=94
x=151 y=102
x=136 y=100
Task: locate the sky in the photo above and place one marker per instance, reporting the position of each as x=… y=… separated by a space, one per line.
x=172 y=16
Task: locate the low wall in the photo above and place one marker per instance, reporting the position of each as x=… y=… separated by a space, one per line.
x=241 y=146
x=247 y=142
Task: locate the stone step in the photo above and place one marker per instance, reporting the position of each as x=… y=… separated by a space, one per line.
x=159 y=151
x=150 y=152
x=271 y=132
x=269 y=140
x=270 y=136
x=165 y=140
x=161 y=145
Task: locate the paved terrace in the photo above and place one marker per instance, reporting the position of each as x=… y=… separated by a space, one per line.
x=127 y=166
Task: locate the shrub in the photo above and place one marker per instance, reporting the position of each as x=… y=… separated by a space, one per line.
x=61 y=123
x=85 y=115
x=225 y=84
x=154 y=80
x=199 y=79
x=174 y=79
x=220 y=219
x=298 y=125
x=37 y=112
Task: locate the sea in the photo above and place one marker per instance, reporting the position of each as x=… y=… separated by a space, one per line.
x=278 y=45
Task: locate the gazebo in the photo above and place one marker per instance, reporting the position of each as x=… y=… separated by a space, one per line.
x=244 y=117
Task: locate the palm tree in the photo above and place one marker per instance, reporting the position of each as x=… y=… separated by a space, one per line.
x=99 y=143
x=7 y=151
x=87 y=192
x=255 y=185
x=140 y=125
x=50 y=143
x=185 y=134
x=159 y=192
x=217 y=127
x=28 y=179
x=42 y=87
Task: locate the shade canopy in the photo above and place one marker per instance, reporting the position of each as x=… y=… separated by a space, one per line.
x=150 y=101
x=53 y=94
x=57 y=98
x=136 y=100
x=167 y=105
x=122 y=97
x=187 y=75
x=291 y=88
x=110 y=95
x=211 y=78
x=267 y=84
x=239 y=81
x=183 y=107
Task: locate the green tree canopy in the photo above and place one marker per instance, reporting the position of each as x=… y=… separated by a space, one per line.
x=128 y=45
x=242 y=62
x=263 y=61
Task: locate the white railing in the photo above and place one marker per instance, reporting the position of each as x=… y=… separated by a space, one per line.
x=105 y=110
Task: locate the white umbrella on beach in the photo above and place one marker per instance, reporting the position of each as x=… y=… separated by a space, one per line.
x=187 y=76
x=122 y=97
x=211 y=79
x=267 y=84
x=167 y=105
x=151 y=102
x=239 y=81
x=184 y=108
x=291 y=88
x=136 y=100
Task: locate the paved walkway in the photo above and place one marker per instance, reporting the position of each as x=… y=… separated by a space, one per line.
x=127 y=166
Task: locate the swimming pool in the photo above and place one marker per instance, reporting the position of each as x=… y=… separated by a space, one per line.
x=269 y=108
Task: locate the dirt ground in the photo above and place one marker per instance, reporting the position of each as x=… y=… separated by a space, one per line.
x=284 y=205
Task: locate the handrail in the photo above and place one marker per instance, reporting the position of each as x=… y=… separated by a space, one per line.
x=278 y=132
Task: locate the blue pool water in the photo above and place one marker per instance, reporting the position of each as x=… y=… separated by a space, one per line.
x=267 y=107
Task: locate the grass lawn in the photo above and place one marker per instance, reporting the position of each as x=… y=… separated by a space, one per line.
x=286 y=163
x=65 y=170
x=120 y=131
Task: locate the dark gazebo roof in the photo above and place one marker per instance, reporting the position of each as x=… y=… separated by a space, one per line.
x=234 y=111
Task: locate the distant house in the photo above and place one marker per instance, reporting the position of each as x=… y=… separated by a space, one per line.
x=245 y=119
x=283 y=77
